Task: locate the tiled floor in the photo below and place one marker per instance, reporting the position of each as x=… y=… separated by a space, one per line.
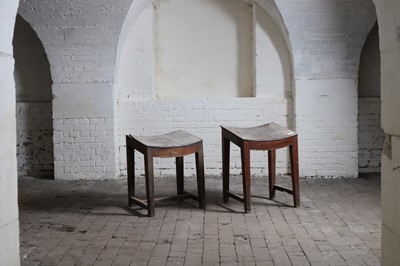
x=88 y=223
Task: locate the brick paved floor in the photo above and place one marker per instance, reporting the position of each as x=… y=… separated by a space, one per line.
x=88 y=223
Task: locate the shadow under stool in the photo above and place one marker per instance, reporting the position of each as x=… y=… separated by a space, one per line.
x=175 y=144
x=269 y=137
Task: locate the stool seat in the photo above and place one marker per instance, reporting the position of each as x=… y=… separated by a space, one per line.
x=270 y=137
x=267 y=132
x=173 y=139
x=174 y=144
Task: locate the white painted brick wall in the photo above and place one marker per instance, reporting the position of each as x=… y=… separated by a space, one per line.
x=326 y=39
x=80 y=38
x=203 y=117
x=370 y=135
x=328 y=146
x=327 y=36
x=84 y=148
x=326 y=120
x=35 y=139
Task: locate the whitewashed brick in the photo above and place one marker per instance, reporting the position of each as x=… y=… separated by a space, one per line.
x=319 y=52
x=34 y=139
x=319 y=49
x=370 y=135
x=82 y=151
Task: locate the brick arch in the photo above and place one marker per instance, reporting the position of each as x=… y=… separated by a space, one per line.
x=135 y=9
x=68 y=32
x=370 y=135
x=80 y=40
x=34 y=103
x=40 y=35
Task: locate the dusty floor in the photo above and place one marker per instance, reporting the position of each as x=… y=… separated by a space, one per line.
x=88 y=223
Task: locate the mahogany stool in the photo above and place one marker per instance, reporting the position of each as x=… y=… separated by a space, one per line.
x=175 y=144
x=269 y=137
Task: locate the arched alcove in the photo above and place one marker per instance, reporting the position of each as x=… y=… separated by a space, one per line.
x=370 y=134
x=151 y=43
x=34 y=103
x=143 y=110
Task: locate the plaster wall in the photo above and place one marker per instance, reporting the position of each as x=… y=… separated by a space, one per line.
x=136 y=68
x=388 y=13
x=272 y=67
x=9 y=225
x=203 y=57
x=390 y=186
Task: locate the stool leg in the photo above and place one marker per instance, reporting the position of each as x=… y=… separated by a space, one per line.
x=179 y=175
x=225 y=168
x=294 y=164
x=130 y=160
x=245 y=153
x=272 y=172
x=149 y=176
x=200 y=178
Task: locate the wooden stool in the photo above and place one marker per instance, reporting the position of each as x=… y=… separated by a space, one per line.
x=269 y=137
x=175 y=144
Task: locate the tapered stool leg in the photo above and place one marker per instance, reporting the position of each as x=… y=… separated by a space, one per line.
x=179 y=175
x=245 y=153
x=149 y=176
x=294 y=163
x=200 y=178
x=225 y=168
x=130 y=161
x=272 y=172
